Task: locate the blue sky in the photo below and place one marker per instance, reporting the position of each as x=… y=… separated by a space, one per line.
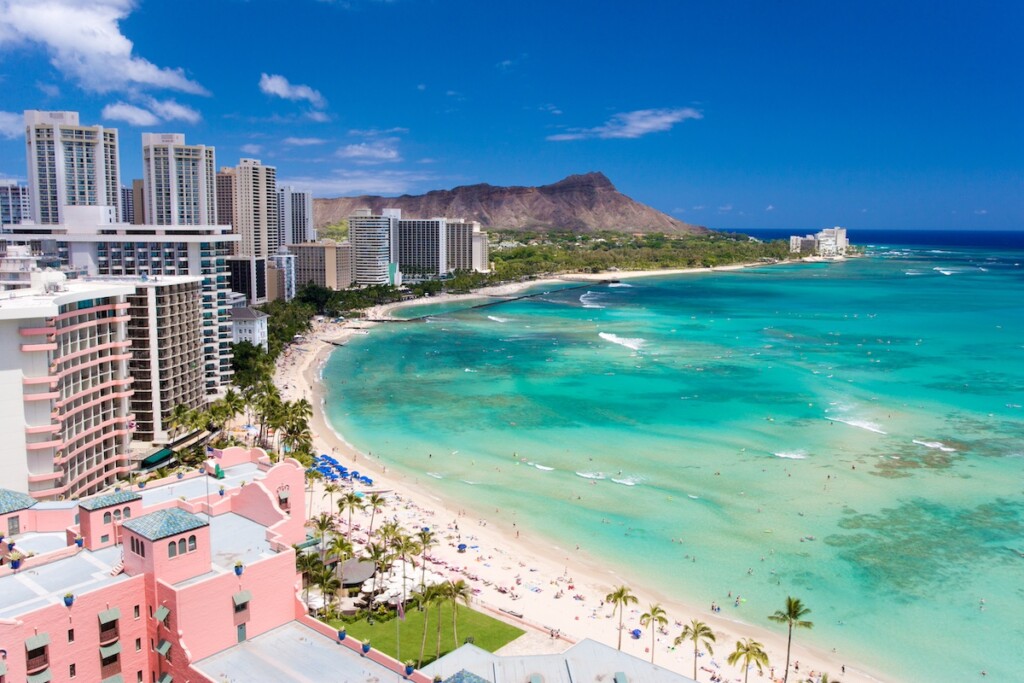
x=735 y=115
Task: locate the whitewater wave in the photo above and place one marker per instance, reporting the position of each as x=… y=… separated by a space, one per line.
x=470 y=370
x=627 y=481
x=497 y=319
x=619 y=284
x=591 y=475
x=795 y=455
x=435 y=475
x=467 y=481
x=543 y=468
x=860 y=424
x=635 y=343
x=913 y=272
x=935 y=444
x=589 y=300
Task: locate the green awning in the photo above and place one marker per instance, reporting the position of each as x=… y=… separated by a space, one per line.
x=41 y=677
x=166 y=678
x=116 y=678
x=308 y=543
x=282 y=495
x=110 y=615
x=241 y=597
x=161 y=613
x=163 y=648
x=620 y=677
x=110 y=650
x=157 y=458
x=3 y=668
x=37 y=641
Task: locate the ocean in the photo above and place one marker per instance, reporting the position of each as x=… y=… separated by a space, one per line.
x=848 y=433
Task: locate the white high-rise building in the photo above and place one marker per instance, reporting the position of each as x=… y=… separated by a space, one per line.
x=374 y=247
x=64 y=386
x=70 y=165
x=179 y=181
x=294 y=216
x=15 y=205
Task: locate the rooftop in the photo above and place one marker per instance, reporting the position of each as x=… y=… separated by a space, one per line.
x=294 y=653
x=247 y=313
x=35 y=587
x=164 y=523
x=12 y=501
x=109 y=500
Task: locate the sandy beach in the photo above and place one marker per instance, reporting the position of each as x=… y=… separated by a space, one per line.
x=553 y=588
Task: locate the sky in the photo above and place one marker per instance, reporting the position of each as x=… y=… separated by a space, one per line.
x=735 y=115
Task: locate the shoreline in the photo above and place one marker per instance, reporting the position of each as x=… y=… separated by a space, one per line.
x=507 y=552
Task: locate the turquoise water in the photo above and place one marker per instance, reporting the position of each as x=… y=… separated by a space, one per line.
x=848 y=433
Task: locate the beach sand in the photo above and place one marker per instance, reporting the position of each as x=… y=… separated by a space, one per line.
x=529 y=567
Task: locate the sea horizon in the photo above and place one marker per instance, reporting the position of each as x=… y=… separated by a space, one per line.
x=849 y=433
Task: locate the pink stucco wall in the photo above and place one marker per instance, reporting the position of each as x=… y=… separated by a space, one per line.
x=82 y=616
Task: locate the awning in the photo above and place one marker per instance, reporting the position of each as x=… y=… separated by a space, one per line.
x=37 y=641
x=110 y=650
x=3 y=668
x=282 y=495
x=241 y=597
x=161 y=613
x=157 y=458
x=116 y=678
x=163 y=648
x=166 y=678
x=110 y=615
x=41 y=677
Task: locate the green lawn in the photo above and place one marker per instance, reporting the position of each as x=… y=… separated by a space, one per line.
x=487 y=633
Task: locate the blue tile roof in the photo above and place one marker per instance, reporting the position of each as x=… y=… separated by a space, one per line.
x=12 y=501
x=466 y=677
x=164 y=523
x=109 y=500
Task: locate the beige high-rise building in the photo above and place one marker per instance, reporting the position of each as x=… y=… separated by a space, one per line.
x=138 y=198
x=467 y=246
x=179 y=181
x=70 y=165
x=327 y=264
x=165 y=323
x=253 y=189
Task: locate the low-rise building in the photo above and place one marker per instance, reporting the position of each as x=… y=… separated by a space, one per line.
x=325 y=264
x=830 y=242
x=249 y=325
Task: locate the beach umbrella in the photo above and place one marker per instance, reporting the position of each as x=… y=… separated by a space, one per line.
x=462 y=547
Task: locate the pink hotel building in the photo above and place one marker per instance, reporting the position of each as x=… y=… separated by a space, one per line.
x=178 y=581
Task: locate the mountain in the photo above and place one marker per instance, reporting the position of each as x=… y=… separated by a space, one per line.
x=579 y=203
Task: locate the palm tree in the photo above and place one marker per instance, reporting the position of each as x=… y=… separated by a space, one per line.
x=350 y=501
x=322 y=524
x=312 y=476
x=233 y=401
x=404 y=546
x=388 y=532
x=793 y=616
x=749 y=651
x=427 y=540
x=378 y=554
x=341 y=548
x=178 y=419
x=329 y=585
x=424 y=599
x=330 y=488
x=698 y=632
x=456 y=592
x=653 y=617
x=373 y=501
x=620 y=597
x=307 y=564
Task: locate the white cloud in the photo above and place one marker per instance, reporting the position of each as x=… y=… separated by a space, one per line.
x=303 y=142
x=980 y=212
x=375 y=132
x=725 y=209
x=632 y=124
x=318 y=116
x=130 y=114
x=274 y=84
x=350 y=182
x=421 y=87
x=699 y=207
x=12 y=126
x=770 y=207
x=376 y=152
x=251 y=149
x=550 y=108
x=85 y=43
x=153 y=112
x=48 y=89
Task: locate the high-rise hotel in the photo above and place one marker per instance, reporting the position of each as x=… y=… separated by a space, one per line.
x=179 y=181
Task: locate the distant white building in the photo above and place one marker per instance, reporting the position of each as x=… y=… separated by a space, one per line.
x=249 y=325
x=374 y=247
x=15 y=205
x=294 y=216
x=830 y=242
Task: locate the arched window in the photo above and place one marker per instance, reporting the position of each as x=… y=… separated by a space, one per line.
x=117 y=515
x=191 y=543
x=172 y=549
x=181 y=547
x=106 y=518
x=127 y=513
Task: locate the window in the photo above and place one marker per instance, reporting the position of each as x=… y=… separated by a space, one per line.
x=138 y=644
x=138 y=677
x=71 y=671
x=191 y=543
x=172 y=549
x=127 y=513
x=138 y=611
x=106 y=518
x=241 y=607
x=71 y=635
x=117 y=515
x=105 y=538
x=109 y=661
x=181 y=547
